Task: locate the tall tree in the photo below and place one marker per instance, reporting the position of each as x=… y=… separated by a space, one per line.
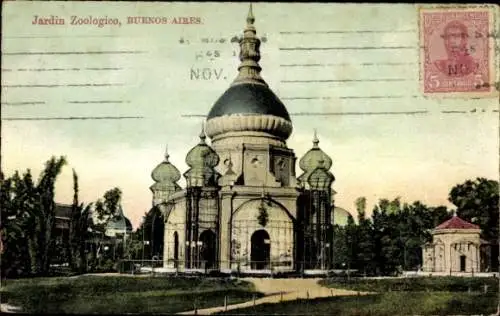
x=477 y=202
x=46 y=214
x=366 y=248
x=78 y=232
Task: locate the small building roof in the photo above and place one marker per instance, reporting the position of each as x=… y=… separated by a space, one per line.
x=63 y=211
x=456 y=223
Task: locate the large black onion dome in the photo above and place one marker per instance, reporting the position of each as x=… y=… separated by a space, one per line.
x=248 y=99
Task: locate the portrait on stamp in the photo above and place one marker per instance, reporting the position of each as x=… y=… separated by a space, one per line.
x=456 y=52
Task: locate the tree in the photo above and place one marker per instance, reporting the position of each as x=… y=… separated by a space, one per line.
x=46 y=190
x=30 y=213
x=14 y=253
x=477 y=202
x=340 y=251
x=365 y=253
x=351 y=241
x=385 y=248
x=79 y=230
x=107 y=208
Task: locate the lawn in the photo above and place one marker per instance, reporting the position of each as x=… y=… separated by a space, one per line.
x=396 y=296
x=122 y=294
x=451 y=284
x=389 y=303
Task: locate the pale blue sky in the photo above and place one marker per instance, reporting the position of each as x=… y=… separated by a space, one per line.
x=144 y=71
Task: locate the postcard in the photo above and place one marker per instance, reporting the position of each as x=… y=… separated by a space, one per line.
x=210 y=157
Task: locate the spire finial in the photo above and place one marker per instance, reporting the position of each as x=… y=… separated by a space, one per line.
x=166 y=153
x=454 y=213
x=202 y=133
x=250 y=17
x=249 y=68
x=315 y=139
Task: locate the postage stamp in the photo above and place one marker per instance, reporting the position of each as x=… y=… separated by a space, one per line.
x=456 y=50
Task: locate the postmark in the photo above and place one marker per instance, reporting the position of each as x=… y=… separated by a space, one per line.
x=457 y=54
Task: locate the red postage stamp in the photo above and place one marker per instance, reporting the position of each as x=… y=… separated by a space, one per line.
x=456 y=50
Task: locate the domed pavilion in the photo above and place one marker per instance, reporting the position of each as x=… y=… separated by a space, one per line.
x=244 y=208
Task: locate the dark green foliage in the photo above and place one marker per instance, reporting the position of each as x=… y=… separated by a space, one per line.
x=108 y=207
x=477 y=202
x=30 y=212
x=78 y=231
x=28 y=220
x=153 y=228
x=390 y=241
x=119 y=295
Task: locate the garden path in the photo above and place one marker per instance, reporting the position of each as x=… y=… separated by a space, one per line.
x=276 y=290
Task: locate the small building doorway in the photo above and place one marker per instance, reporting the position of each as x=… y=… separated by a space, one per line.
x=462 y=263
x=176 y=249
x=261 y=250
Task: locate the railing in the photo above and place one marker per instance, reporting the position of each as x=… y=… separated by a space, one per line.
x=235 y=268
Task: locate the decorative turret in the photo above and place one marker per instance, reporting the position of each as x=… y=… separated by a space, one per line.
x=165 y=176
x=316 y=165
x=316 y=212
x=249 y=107
x=202 y=160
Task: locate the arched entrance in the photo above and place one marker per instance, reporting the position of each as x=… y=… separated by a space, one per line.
x=261 y=250
x=176 y=249
x=207 y=250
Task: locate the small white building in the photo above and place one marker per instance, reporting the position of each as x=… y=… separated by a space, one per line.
x=455 y=247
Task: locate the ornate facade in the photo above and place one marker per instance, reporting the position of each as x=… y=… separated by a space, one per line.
x=243 y=207
x=456 y=247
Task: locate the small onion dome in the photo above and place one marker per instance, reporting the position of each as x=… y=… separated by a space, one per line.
x=166 y=172
x=202 y=160
x=315 y=158
x=202 y=155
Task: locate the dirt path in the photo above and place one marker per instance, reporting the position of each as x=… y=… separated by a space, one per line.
x=280 y=289
x=7 y=308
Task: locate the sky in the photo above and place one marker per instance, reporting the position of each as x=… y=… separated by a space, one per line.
x=111 y=98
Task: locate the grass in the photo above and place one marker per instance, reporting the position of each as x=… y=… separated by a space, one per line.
x=415 y=284
x=119 y=294
x=396 y=296
x=390 y=303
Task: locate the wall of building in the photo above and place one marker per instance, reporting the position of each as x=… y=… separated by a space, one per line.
x=279 y=228
x=444 y=255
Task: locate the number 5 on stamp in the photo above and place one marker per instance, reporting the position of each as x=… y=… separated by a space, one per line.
x=457 y=50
